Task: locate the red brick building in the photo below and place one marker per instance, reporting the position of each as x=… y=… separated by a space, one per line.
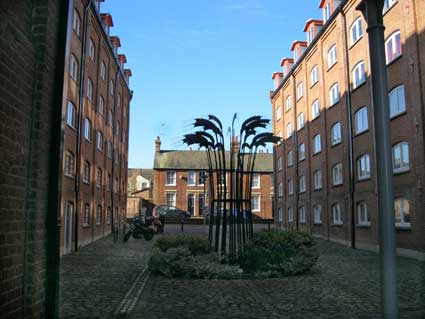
x=325 y=168
x=177 y=181
x=96 y=105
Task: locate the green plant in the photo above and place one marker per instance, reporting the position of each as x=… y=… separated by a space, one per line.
x=196 y=245
x=179 y=262
x=276 y=252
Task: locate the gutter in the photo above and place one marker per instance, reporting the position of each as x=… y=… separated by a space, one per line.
x=79 y=123
x=297 y=177
x=352 y=183
x=114 y=127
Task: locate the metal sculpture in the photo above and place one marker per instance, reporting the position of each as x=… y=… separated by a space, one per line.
x=230 y=215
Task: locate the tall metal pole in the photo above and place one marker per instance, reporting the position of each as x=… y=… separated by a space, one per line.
x=372 y=11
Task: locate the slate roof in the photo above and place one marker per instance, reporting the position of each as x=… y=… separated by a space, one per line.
x=197 y=160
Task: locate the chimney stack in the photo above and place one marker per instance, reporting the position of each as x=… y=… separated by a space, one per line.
x=158 y=144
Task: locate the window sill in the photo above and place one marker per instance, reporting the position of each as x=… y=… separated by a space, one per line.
x=86 y=225
x=361 y=133
x=99 y=150
x=71 y=127
x=355 y=42
x=170 y=185
x=363 y=179
x=401 y=171
x=394 y=60
x=98 y=224
x=389 y=9
x=302 y=192
x=340 y=224
x=363 y=225
x=301 y=159
x=403 y=226
x=337 y=185
x=69 y=176
x=318 y=189
x=331 y=67
x=303 y=222
x=397 y=115
x=314 y=118
x=318 y=223
x=336 y=144
x=334 y=103
x=311 y=86
x=299 y=98
x=316 y=153
x=354 y=89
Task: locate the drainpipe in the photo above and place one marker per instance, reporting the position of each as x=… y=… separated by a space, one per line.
x=372 y=12
x=352 y=183
x=296 y=182
x=114 y=127
x=80 y=120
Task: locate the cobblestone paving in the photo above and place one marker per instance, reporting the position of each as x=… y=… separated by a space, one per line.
x=345 y=284
x=94 y=280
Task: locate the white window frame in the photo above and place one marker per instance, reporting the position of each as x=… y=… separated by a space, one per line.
x=99 y=143
x=301 y=152
x=280 y=189
x=99 y=215
x=290 y=214
x=363 y=218
x=317 y=144
x=109 y=149
x=102 y=71
x=256 y=203
x=99 y=177
x=69 y=164
x=314 y=75
x=290 y=158
x=303 y=186
x=315 y=109
x=86 y=172
x=256 y=180
x=317 y=214
x=91 y=49
x=327 y=11
x=300 y=90
x=279 y=163
x=334 y=94
x=302 y=215
x=101 y=107
x=336 y=133
x=289 y=130
x=111 y=87
x=363 y=167
x=310 y=36
x=278 y=113
x=388 y=4
x=76 y=23
x=361 y=120
x=170 y=178
x=280 y=213
x=191 y=178
x=73 y=67
x=358 y=74
x=401 y=148
x=290 y=187
x=86 y=215
x=317 y=179
x=331 y=57
x=89 y=89
x=336 y=214
x=70 y=114
x=396 y=47
x=87 y=129
x=171 y=202
x=288 y=103
x=401 y=203
x=300 y=121
x=337 y=174
x=397 y=98
x=356 y=31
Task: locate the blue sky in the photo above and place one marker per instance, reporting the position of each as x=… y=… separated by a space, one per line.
x=191 y=58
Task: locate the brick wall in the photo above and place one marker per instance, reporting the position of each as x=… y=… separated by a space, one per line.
x=30 y=91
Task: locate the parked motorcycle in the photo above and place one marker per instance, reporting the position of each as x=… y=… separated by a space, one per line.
x=139 y=230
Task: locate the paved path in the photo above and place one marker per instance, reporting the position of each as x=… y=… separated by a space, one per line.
x=345 y=284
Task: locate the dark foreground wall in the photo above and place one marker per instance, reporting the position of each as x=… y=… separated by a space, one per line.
x=32 y=42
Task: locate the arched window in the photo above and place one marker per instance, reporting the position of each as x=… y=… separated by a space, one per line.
x=73 y=67
x=100 y=140
x=302 y=215
x=86 y=215
x=303 y=186
x=111 y=87
x=315 y=109
x=362 y=214
x=289 y=130
x=69 y=164
x=76 y=22
x=356 y=31
x=337 y=174
x=317 y=145
x=86 y=172
x=91 y=49
x=401 y=161
x=278 y=113
x=363 y=167
x=301 y=152
x=334 y=94
x=332 y=56
x=108 y=215
x=317 y=179
x=89 y=89
x=314 y=75
x=336 y=214
x=290 y=158
x=336 y=133
x=300 y=121
x=99 y=215
x=317 y=211
x=99 y=176
x=87 y=129
x=101 y=108
x=300 y=90
x=290 y=187
x=102 y=70
x=358 y=74
x=402 y=212
x=70 y=114
x=397 y=101
x=393 y=47
x=361 y=121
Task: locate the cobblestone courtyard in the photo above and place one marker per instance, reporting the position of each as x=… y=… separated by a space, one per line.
x=344 y=284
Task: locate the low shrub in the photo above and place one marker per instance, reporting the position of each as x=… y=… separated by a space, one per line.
x=196 y=245
x=180 y=262
x=275 y=252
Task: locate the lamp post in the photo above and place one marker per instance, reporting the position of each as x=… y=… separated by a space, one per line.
x=372 y=12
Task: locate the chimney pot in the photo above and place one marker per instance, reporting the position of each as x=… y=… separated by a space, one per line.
x=158 y=144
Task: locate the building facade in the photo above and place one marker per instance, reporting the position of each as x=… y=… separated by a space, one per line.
x=140 y=192
x=96 y=105
x=178 y=181
x=325 y=166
